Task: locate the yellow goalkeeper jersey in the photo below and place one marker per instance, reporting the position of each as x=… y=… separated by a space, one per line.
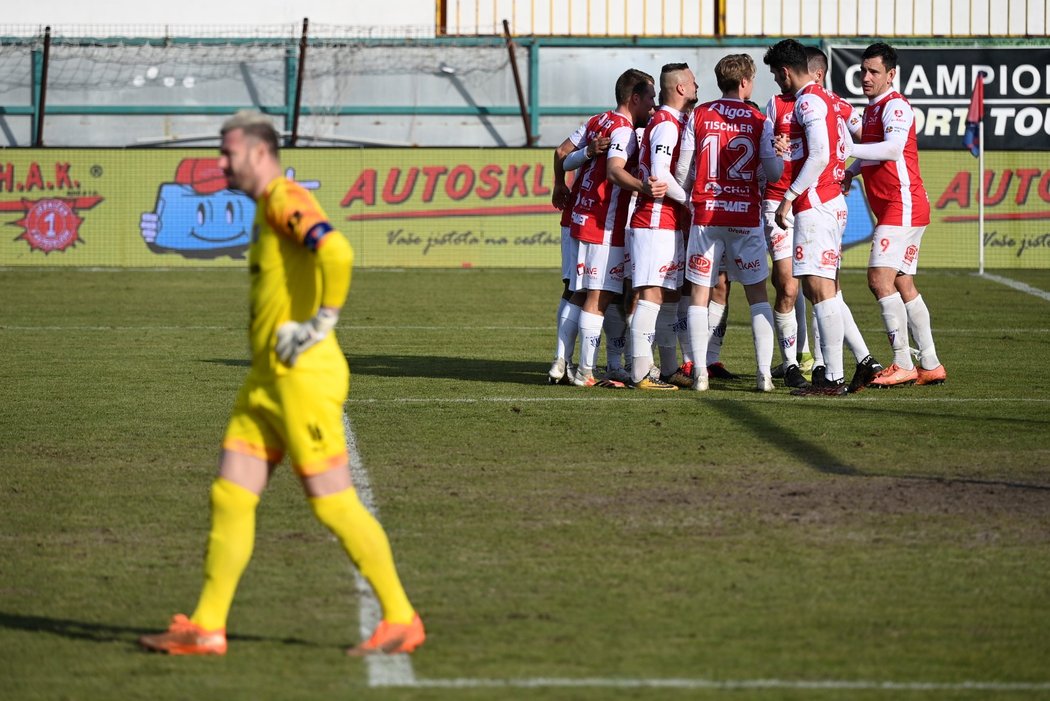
x=287 y=277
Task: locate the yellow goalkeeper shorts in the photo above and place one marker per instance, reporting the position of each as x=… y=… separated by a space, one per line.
x=299 y=413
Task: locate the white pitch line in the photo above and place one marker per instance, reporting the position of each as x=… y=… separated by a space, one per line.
x=614 y=396
x=1019 y=286
x=382 y=670
x=729 y=684
x=970 y=332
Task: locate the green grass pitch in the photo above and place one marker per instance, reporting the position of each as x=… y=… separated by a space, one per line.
x=898 y=537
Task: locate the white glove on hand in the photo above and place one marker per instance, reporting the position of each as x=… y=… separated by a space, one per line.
x=294 y=337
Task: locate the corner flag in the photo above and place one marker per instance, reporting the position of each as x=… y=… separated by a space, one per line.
x=972 y=139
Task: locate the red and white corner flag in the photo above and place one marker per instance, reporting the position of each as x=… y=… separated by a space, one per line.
x=972 y=137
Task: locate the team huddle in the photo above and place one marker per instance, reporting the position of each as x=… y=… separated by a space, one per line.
x=673 y=201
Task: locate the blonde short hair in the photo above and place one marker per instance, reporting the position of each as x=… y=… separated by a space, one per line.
x=256 y=125
x=732 y=69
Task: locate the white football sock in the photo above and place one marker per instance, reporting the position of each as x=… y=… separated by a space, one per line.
x=615 y=336
x=590 y=340
x=762 y=330
x=643 y=329
x=895 y=318
x=787 y=332
x=851 y=334
x=666 y=340
x=716 y=314
x=922 y=331
x=818 y=354
x=801 y=322
x=829 y=321
x=568 y=327
x=682 y=330
x=699 y=335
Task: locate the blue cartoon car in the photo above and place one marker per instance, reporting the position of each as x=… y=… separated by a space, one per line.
x=198 y=216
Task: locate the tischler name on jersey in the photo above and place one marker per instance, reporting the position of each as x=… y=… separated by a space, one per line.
x=723 y=206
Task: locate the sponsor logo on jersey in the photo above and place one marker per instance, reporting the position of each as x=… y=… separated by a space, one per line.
x=723 y=206
x=616 y=272
x=910 y=253
x=829 y=258
x=779 y=238
x=755 y=264
x=714 y=188
x=731 y=112
x=700 y=264
x=671 y=268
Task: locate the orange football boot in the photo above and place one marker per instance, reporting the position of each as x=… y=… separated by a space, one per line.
x=931 y=377
x=894 y=376
x=184 y=637
x=392 y=639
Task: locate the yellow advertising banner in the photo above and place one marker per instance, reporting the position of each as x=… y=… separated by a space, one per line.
x=426 y=208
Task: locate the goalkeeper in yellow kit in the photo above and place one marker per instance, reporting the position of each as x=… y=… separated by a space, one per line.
x=292 y=401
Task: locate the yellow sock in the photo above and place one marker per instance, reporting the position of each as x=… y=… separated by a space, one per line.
x=230 y=546
x=366 y=543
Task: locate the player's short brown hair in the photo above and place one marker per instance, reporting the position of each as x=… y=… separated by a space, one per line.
x=255 y=125
x=631 y=82
x=731 y=69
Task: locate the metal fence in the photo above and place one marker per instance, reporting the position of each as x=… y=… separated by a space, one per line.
x=721 y=18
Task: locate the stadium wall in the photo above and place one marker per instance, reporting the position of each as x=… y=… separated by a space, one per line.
x=424 y=208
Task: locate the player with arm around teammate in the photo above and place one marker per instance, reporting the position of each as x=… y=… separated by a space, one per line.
x=815 y=199
x=888 y=159
x=728 y=141
x=599 y=215
x=657 y=250
x=850 y=129
x=291 y=402
x=563 y=197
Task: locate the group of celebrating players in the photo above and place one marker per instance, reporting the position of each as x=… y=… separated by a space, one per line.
x=671 y=204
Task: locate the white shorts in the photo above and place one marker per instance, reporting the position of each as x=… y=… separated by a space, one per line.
x=569 y=253
x=740 y=250
x=598 y=267
x=818 y=239
x=657 y=258
x=779 y=241
x=896 y=247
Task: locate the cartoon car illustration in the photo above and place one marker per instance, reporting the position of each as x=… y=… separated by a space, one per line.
x=197 y=215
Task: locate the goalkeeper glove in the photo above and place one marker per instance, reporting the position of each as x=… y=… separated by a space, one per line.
x=294 y=337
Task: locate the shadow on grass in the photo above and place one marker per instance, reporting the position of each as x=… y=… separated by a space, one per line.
x=823 y=459
x=524 y=372
x=107 y=633
x=433 y=367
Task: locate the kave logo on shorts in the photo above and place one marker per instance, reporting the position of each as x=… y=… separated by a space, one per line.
x=829 y=258
x=700 y=264
x=910 y=253
x=743 y=265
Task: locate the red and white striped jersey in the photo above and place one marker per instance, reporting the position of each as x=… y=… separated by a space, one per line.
x=847 y=113
x=895 y=191
x=662 y=136
x=814 y=110
x=599 y=214
x=780 y=112
x=730 y=138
